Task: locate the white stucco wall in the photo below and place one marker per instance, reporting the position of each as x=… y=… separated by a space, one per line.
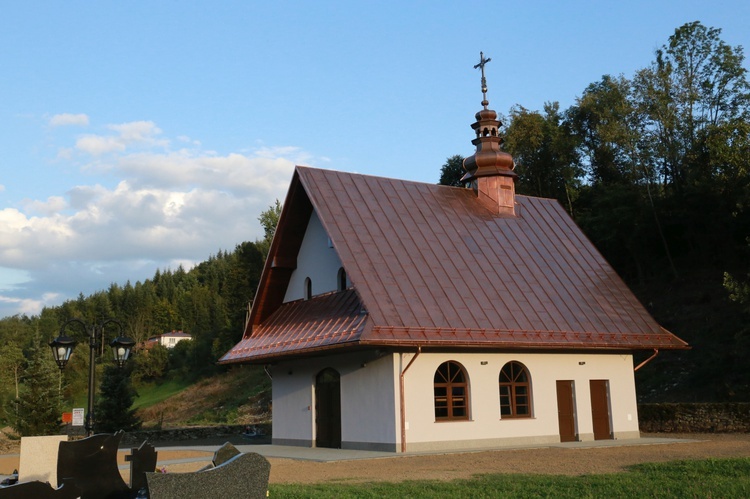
x=315 y=260
x=485 y=426
x=368 y=400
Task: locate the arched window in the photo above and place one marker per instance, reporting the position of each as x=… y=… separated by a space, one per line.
x=341 y=279
x=308 y=288
x=515 y=391
x=451 y=392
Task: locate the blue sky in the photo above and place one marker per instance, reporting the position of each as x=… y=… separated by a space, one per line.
x=147 y=134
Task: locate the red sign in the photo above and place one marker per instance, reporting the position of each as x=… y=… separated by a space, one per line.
x=67 y=417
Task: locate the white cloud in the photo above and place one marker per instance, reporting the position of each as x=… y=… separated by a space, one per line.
x=52 y=205
x=68 y=119
x=28 y=306
x=97 y=145
x=166 y=208
x=188 y=140
x=138 y=131
x=141 y=134
x=237 y=173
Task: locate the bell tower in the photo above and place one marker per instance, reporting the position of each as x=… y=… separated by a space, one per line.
x=489 y=169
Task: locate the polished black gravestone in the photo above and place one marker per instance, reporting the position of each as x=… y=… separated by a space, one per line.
x=244 y=475
x=40 y=490
x=142 y=460
x=92 y=465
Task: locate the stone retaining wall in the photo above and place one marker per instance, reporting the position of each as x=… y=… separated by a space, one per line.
x=193 y=433
x=652 y=418
x=694 y=418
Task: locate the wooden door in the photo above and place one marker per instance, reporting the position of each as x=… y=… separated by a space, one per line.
x=328 y=409
x=566 y=411
x=600 y=409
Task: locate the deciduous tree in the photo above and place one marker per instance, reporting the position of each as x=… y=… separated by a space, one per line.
x=452 y=171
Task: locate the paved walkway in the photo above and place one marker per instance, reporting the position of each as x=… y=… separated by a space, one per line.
x=325 y=455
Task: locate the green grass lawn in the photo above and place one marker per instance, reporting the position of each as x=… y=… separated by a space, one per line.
x=151 y=394
x=709 y=478
x=148 y=395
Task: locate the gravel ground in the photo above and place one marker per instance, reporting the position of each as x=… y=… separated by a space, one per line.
x=559 y=461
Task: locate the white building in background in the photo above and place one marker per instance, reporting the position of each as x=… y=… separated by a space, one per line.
x=168 y=340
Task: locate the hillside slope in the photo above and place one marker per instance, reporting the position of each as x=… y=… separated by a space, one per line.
x=241 y=395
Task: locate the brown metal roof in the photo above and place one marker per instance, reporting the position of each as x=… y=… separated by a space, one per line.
x=305 y=325
x=431 y=266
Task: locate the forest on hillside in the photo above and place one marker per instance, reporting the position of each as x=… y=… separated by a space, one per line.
x=209 y=301
x=653 y=167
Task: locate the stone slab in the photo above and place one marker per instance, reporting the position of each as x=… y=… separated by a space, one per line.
x=224 y=454
x=39 y=458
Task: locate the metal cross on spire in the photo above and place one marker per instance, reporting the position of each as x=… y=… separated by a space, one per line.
x=482 y=62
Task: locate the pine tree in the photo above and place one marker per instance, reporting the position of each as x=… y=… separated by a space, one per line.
x=114 y=403
x=39 y=409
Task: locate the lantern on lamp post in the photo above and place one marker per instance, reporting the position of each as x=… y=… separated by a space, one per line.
x=62 y=350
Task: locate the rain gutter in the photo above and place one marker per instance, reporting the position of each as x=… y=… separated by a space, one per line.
x=656 y=352
x=403 y=399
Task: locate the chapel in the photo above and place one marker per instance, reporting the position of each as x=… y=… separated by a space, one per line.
x=404 y=316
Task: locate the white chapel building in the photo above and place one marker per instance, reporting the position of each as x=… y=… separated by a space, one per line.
x=404 y=316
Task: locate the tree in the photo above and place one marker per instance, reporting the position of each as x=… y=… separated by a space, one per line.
x=39 y=401
x=544 y=150
x=269 y=219
x=151 y=364
x=607 y=126
x=696 y=83
x=452 y=171
x=114 y=404
x=12 y=362
x=242 y=281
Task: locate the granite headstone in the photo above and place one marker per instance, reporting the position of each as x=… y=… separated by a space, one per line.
x=245 y=475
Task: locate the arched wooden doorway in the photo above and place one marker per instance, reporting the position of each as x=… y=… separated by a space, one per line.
x=328 y=409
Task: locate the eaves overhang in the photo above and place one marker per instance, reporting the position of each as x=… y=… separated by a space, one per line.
x=521 y=339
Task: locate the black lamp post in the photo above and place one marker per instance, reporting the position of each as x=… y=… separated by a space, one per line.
x=62 y=349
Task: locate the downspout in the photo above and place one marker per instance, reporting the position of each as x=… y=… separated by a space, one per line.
x=403 y=399
x=268 y=373
x=656 y=352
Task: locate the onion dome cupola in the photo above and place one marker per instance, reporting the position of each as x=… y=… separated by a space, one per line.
x=489 y=169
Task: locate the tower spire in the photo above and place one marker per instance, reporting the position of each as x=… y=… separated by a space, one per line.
x=482 y=62
x=490 y=169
